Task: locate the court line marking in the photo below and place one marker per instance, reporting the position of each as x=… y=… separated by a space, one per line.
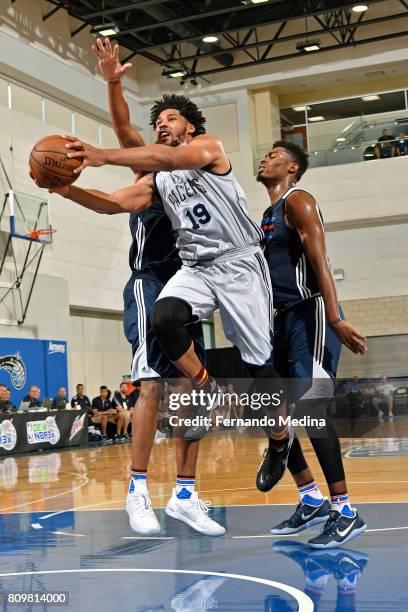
x=41 y=499
x=67 y=533
x=148 y=537
x=385 y=529
x=304 y=602
x=93 y=508
x=268 y=535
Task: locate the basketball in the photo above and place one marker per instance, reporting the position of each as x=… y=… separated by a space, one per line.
x=49 y=163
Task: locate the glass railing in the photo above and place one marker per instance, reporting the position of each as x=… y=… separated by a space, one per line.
x=329 y=146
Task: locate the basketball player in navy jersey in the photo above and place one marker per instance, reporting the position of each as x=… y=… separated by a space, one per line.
x=309 y=332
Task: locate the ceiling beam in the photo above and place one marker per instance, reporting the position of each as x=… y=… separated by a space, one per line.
x=265 y=23
x=223 y=11
x=297 y=55
x=312 y=34
x=134 y=6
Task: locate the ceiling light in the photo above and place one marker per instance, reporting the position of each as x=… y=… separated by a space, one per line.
x=308 y=45
x=370 y=98
x=317 y=118
x=360 y=8
x=210 y=39
x=340 y=139
x=258 y=1
x=177 y=73
x=105 y=29
x=299 y=109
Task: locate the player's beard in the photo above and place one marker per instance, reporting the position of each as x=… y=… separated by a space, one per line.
x=177 y=140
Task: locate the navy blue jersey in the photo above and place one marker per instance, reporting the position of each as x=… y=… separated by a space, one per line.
x=293 y=278
x=153 y=253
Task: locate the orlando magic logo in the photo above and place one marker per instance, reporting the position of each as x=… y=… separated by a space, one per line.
x=15 y=367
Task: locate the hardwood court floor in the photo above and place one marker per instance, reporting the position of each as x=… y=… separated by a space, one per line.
x=97 y=478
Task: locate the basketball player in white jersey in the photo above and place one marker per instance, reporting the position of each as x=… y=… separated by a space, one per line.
x=223 y=265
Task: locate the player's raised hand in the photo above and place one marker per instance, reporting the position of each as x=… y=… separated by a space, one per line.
x=350 y=337
x=91 y=156
x=108 y=58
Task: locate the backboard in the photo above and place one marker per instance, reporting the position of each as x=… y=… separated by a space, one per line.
x=27 y=215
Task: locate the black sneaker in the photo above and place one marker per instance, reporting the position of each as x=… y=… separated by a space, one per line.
x=197 y=432
x=273 y=465
x=338 y=530
x=304 y=516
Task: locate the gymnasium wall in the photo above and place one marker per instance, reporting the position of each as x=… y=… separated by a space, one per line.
x=363 y=204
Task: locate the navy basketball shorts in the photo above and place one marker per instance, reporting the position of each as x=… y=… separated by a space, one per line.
x=148 y=360
x=306 y=348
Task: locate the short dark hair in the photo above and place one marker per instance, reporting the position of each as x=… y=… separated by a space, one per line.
x=186 y=108
x=80 y=385
x=297 y=154
x=103 y=387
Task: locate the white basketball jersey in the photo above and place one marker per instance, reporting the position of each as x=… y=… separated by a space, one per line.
x=208 y=211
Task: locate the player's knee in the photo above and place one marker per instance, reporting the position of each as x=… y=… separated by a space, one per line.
x=170 y=313
x=170 y=318
x=149 y=393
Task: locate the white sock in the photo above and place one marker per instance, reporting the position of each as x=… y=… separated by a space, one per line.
x=341 y=503
x=184 y=487
x=310 y=494
x=138 y=482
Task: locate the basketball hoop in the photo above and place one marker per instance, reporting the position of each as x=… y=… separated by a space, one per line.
x=35 y=234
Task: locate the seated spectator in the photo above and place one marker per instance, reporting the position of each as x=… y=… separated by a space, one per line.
x=102 y=409
x=384 y=396
x=368 y=392
x=385 y=146
x=401 y=144
x=6 y=405
x=33 y=397
x=60 y=400
x=123 y=406
x=80 y=399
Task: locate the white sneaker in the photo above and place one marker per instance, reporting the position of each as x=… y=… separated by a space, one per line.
x=194 y=512
x=380 y=414
x=142 y=518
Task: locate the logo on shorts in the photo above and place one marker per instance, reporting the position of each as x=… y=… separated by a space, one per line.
x=43 y=431
x=145 y=370
x=8 y=435
x=77 y=425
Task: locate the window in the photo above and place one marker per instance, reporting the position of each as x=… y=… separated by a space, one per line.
x=58 y=115
x=25 y=101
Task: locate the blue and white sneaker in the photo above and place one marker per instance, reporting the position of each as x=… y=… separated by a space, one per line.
x=305 y=516
x=339 y=529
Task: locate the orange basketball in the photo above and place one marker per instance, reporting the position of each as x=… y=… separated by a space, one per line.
x=50 y=165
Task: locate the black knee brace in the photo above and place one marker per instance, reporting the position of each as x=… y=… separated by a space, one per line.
x=296 y=461
x=325 y=440
x=170 y=317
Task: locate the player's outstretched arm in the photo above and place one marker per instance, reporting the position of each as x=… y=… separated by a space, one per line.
x=303 y=216
x=203 y=151
x=112 y=71
x=135 y=198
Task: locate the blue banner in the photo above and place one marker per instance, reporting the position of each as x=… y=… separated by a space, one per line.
x=33 y=362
